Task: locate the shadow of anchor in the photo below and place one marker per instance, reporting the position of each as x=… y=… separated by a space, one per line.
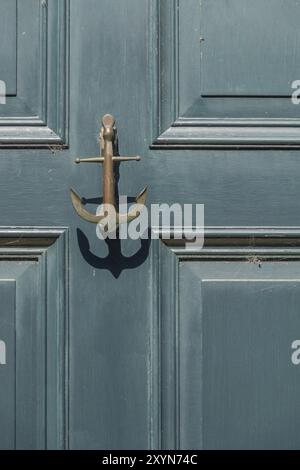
x=115 y=261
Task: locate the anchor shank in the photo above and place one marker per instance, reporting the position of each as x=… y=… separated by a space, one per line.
x=109 y=196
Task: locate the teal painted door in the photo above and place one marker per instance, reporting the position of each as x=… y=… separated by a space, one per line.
x=150 y=343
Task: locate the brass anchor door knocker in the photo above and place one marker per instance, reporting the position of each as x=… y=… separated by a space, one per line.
x=108 y=138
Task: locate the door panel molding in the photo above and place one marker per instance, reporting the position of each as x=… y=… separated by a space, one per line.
x=183 y=117
x=35 y=262
x=36 y=115
x=264 y=255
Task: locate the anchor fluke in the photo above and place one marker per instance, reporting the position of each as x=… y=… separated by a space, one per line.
x=81 y=211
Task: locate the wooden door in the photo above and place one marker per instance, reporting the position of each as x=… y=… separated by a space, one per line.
x=134 y=344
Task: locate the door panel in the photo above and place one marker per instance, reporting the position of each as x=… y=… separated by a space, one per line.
x=225 y=319
x=252 y=53
x=8 y=54
x=223 y=74
x=33 y=329
x=248 y=388
x=34 y=67
x=250 y=385
x=7 y=398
